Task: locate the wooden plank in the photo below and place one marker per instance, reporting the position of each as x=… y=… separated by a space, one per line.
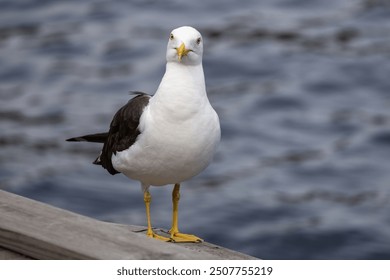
x=41 y=231
x=6 y=254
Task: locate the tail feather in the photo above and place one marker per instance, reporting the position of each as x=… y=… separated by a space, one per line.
x=96 y=138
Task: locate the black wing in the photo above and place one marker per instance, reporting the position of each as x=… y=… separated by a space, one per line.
x=96 y=138
x=123 y=130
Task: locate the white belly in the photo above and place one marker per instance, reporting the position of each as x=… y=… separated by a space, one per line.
x=169 y=152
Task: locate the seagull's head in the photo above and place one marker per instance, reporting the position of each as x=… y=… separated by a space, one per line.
x=185 y=46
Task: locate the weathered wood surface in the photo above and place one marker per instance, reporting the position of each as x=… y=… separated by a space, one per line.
x=6 y=254
x=30 y=229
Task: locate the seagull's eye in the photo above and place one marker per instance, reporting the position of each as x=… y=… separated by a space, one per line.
x=198 y=40
x=171 y=37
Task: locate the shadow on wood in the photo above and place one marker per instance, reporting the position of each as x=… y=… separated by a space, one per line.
x=31 y=229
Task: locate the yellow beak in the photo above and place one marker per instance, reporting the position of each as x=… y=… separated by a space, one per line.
x=182 y=51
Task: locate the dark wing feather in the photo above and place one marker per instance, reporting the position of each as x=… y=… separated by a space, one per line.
x=97 y=138
x=123 y=130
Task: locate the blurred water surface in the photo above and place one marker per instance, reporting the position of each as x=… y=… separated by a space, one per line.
x=302 y=89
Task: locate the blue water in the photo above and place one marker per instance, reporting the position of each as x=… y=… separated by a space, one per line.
x=302 y=89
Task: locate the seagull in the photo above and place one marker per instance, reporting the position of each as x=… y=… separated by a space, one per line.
x=166 y=138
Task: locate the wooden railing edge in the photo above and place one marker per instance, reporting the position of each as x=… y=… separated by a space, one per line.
x=32 y=229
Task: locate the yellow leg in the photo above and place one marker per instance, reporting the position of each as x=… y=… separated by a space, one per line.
x=176 y=236
x=150 y=232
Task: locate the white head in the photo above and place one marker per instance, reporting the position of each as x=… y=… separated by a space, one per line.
x=185 y=46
